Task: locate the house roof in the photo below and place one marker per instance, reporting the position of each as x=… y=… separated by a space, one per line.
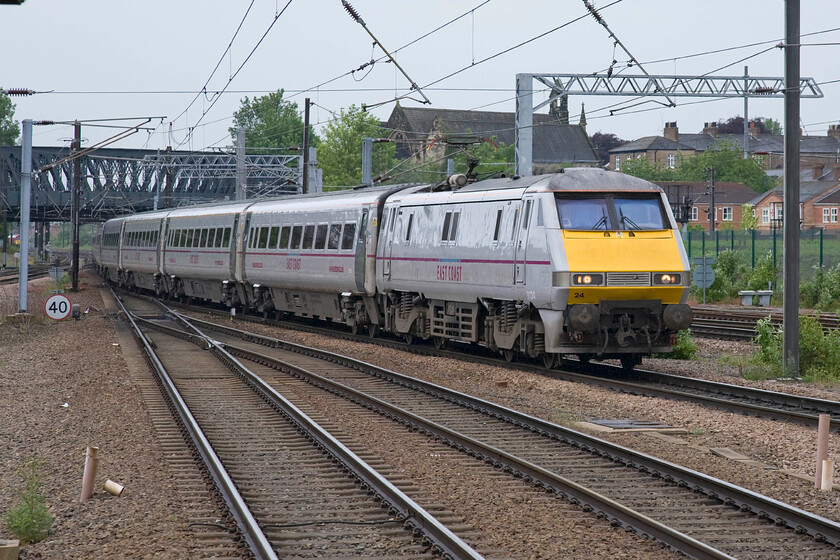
x=807 y=191
x=553 y=142
x=832 y=197
x=726 y=193
x=650 y=143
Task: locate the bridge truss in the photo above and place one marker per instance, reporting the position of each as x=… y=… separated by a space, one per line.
x=123 y=181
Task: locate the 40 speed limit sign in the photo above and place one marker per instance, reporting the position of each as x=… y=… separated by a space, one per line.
x=57 y=307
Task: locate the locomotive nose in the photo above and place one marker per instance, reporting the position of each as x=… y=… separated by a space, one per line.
x=677 y=316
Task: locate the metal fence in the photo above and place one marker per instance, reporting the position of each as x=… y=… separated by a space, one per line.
x=817 y=247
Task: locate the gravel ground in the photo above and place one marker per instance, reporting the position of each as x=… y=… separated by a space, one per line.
x=45 y=365
x=778 y=451
x=65 y=386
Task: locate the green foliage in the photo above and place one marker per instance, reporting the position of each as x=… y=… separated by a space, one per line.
x=696 y=227
x=748 y=221
x=644 y=169
x=731 y=272
x=270 y=122
x=771 y=126
x=730 y=165
x=823 y=290
x=685 y=348
x=30 y=520
x=9 y=128
x=764 y=274
x=340 y=152
x=819 y=350
x=498 y=158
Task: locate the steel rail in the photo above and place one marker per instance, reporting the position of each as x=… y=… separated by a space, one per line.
x=765 y=507
x=608 y=381
x=614 y=511
x=444 y=541
x=251 y=532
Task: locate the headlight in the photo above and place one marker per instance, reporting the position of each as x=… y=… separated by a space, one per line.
x=587 y=279
x=667 y=278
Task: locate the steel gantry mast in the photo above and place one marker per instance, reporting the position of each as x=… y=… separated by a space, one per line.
x=637 y=85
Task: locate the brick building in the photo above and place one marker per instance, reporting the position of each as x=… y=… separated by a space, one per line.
x=729 y=201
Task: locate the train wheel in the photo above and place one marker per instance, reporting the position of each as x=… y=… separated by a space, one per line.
x=629 y=361
x=373 y=330
x=439 y=342
x=510 y=355
x=549 y=360
x=409 y=338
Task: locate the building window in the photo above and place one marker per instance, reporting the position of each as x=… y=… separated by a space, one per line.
x=618 y=163
x=638 y=156
x=671 y=161
x=826 y=215
x=727 y=214
x=834 y=215
x=693 y=217
x=765 y=215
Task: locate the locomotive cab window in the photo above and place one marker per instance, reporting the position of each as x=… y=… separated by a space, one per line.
x=608 y=212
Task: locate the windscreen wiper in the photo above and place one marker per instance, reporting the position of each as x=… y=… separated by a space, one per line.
x=628 y=222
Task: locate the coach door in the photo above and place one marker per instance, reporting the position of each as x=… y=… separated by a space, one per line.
x=521 y=247
x=389 y=237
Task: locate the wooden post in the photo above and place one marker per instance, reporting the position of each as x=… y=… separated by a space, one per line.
x=91 y=463
x=822 y=447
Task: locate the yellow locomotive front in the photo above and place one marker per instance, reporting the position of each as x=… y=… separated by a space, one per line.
x=628 y=275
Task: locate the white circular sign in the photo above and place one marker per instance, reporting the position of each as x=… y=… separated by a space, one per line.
x=57 y=307
x=48 y=246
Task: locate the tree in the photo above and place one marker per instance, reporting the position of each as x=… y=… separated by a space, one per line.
x=270 y=122
x=748 y=219
x=644 y=169
x=735 y=125
x=340 y=152
x=9 y=128
x=493 y=157
x=729 y=163
x=604 y=142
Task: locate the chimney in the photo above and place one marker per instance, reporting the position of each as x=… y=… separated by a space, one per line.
x=819 y=169
x=711 y=129
x=834 y=130
x=755 y=129
x=672 y=133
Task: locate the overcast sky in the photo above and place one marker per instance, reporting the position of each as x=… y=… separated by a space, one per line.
x=107 y=59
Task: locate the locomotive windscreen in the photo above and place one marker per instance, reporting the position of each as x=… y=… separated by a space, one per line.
x=608 y=212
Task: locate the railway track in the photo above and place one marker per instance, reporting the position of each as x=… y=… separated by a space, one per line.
x=291 y=487
x=723 y=396
x=691 y=512
x=736 y=324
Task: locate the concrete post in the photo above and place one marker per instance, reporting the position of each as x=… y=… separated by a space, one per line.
x=25 y=194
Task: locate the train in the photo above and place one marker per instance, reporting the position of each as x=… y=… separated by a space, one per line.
x=584 y=262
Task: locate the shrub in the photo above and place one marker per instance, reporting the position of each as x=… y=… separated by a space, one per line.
x=763 y=274
x=823 y=290
x=30 y=520
x=730 y=270
x=819 y=350
x=684 y=349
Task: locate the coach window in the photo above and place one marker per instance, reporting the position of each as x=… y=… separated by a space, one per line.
x=272 y=238
x=349 y=236
x=196 y=237
x=446 y=221
x=264 y=237
x=217 y=237
x=202 y=240
x=308 y=237
x=335 y=236
x=285 y=233
x=321 y=236
x=408 y=228
x=296 y=235
x=498 y=225
x=226 y=238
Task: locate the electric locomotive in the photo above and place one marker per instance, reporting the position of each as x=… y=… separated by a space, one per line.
x=585 y=262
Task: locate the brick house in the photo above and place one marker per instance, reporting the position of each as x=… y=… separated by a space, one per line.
x=817 y=153
x=729 y=201
x=814 y=197
x=827 y=208
x=416 y=130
